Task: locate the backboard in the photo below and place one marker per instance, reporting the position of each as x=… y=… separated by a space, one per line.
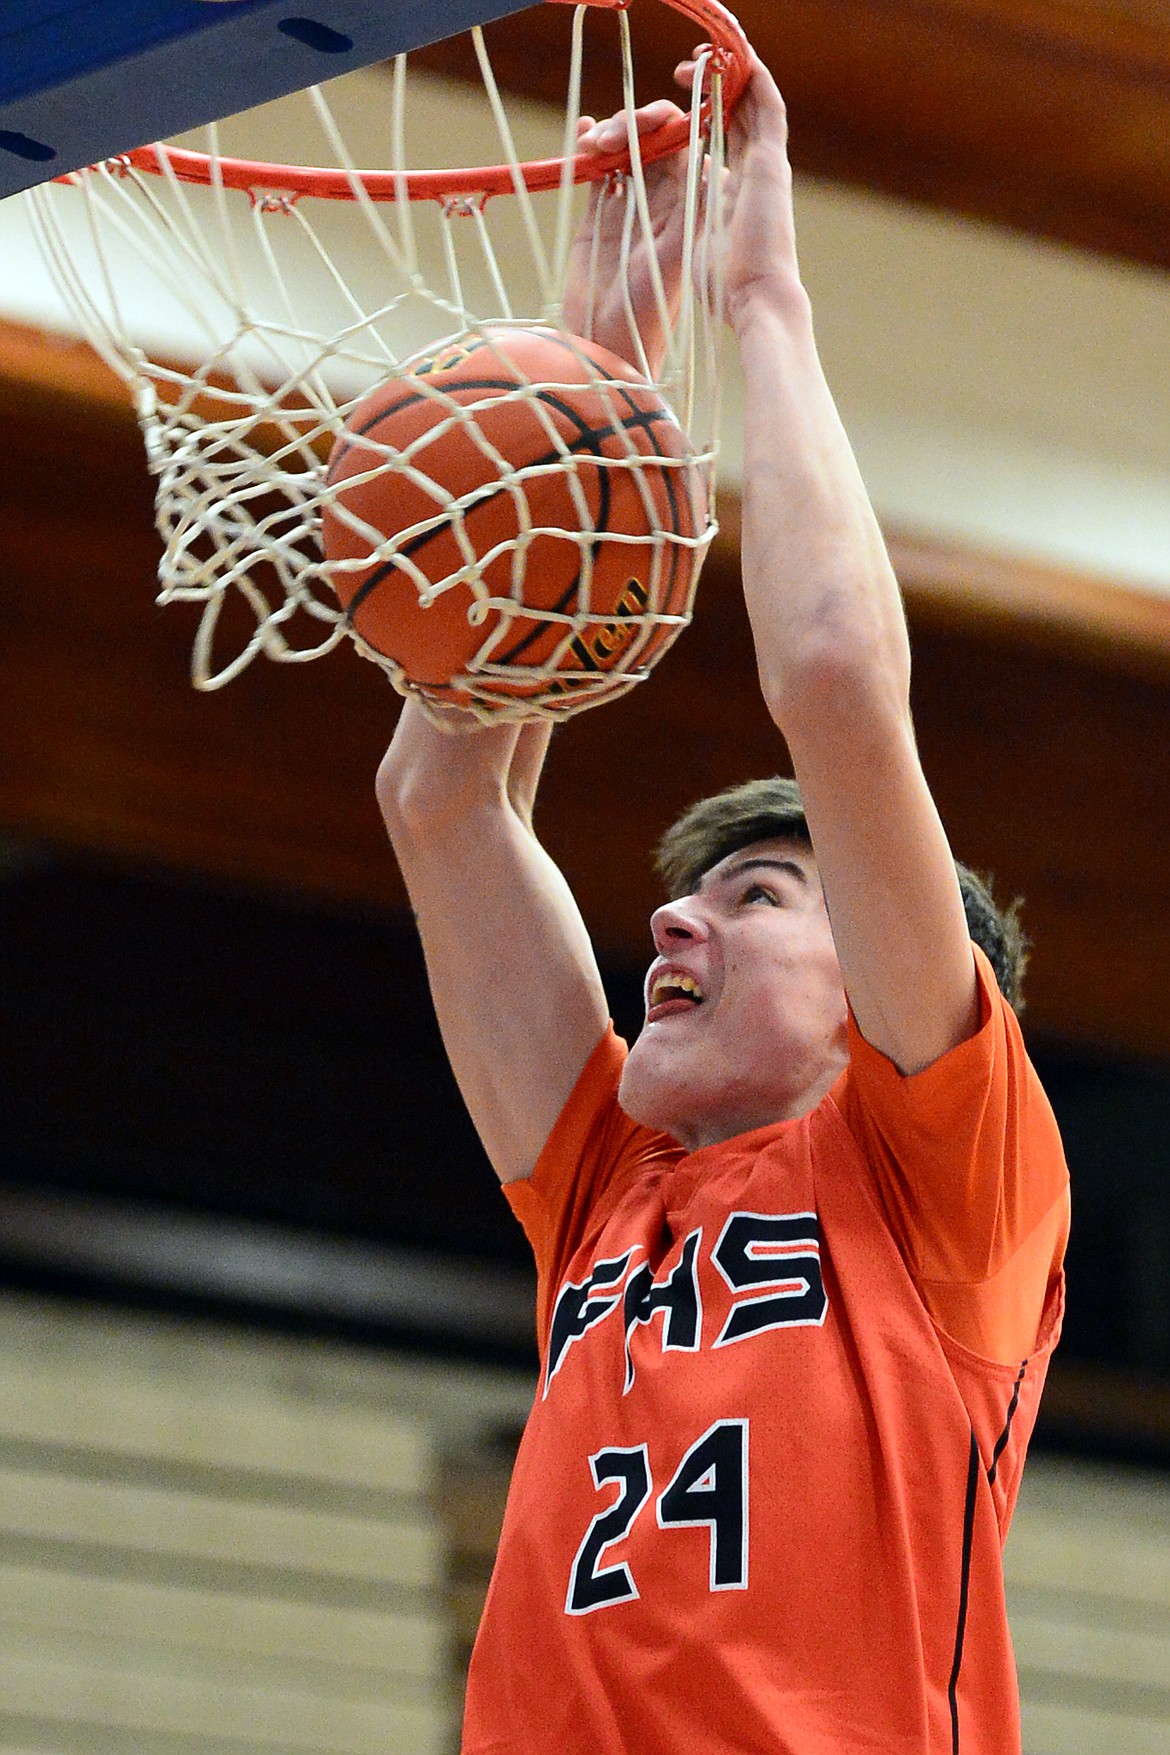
x=89 y=79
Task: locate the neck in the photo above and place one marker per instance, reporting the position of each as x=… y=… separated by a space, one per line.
x=730 y=1121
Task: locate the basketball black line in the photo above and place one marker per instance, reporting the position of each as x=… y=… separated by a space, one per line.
x=669 y=484
x=374 y=579
x=505 y=384
x=640 y=418
x=584 y=431
x=409 y=401
x=667 y=474
x=589 y=440
x=588 y=436
x=470 y=383
x=672 y=501
x=668 y=479
x=592 y=438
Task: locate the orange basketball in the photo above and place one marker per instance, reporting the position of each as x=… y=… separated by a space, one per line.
x=484 y=500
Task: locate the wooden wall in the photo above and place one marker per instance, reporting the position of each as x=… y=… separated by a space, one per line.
x=1050 y=116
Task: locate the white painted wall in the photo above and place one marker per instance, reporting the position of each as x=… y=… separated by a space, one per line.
x=998 y=389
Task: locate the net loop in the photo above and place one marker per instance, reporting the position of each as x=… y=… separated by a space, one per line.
x=251 y=315
x=272 y=201
x=464 y=206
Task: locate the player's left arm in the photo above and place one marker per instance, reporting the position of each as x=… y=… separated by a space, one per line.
x=830 y=635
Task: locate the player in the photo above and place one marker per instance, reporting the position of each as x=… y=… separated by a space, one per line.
x=799 y=1251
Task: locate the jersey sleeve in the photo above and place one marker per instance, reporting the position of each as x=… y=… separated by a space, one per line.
x=972 y=1175
x=591 y=1157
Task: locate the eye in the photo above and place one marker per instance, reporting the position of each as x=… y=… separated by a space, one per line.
x=760 y=893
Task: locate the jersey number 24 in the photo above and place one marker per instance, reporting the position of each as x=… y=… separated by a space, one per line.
x=709 y=1487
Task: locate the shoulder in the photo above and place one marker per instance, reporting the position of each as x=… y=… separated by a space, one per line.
x=594 y=1152
x=592 y=1128
x=968 y=1166
x=987 y=1076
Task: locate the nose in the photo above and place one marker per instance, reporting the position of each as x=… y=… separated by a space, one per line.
x=675 y=924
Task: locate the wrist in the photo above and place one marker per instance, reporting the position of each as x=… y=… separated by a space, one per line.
x=777 y=302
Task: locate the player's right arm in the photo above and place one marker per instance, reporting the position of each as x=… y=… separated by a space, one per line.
x=512 y=972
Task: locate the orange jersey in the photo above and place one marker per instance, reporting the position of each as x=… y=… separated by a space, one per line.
x=760 y=1502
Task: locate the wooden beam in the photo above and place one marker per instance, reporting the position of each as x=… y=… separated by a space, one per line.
x=1115 y=628
x=1043 y=735
x=51 y=368
x=1050 y=116
x=953 y=585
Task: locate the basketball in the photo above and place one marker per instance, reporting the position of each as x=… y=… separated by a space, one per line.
x=521 y=534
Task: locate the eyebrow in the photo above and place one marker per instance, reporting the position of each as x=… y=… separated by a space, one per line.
x=765 y=862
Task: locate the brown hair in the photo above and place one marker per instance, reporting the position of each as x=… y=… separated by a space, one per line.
x=772 y=810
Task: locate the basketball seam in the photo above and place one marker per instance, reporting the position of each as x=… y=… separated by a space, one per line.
x=644 y=418
x=587 y=441
x=504 y=384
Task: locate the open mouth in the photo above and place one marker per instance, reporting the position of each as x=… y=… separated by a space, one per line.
x=674 y=992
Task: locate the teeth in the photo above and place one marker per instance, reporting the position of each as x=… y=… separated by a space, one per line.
x=668 y=986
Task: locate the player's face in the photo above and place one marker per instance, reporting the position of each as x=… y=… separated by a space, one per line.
x=745 y=1006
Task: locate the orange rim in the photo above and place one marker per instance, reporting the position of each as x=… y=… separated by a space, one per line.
x=731 y=55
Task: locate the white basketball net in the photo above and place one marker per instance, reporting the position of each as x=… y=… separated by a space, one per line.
x=293 y=307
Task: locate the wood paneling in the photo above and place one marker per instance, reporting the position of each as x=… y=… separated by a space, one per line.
x=1052 y=116
x=1041 y=700
x=1126 y=631
x=104 y=742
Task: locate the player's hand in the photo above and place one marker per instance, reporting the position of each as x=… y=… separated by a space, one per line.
x=759 y=233
x=595 y=302
x=759 y=230
x=516 y=750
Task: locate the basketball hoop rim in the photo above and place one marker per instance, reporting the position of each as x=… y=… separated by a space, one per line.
x=731 y=57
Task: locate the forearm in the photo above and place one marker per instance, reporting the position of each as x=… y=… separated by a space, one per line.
x=528 y=758
x=512 y=973
x=834 y=665
x=820 y=590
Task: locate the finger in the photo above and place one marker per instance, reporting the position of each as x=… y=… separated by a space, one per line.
x=607 y=136
x=686 y=71
x=653 y=116
x=614 y=133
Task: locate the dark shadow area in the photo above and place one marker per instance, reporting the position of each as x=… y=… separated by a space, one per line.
x=229 y=1056
x=169 y=1042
